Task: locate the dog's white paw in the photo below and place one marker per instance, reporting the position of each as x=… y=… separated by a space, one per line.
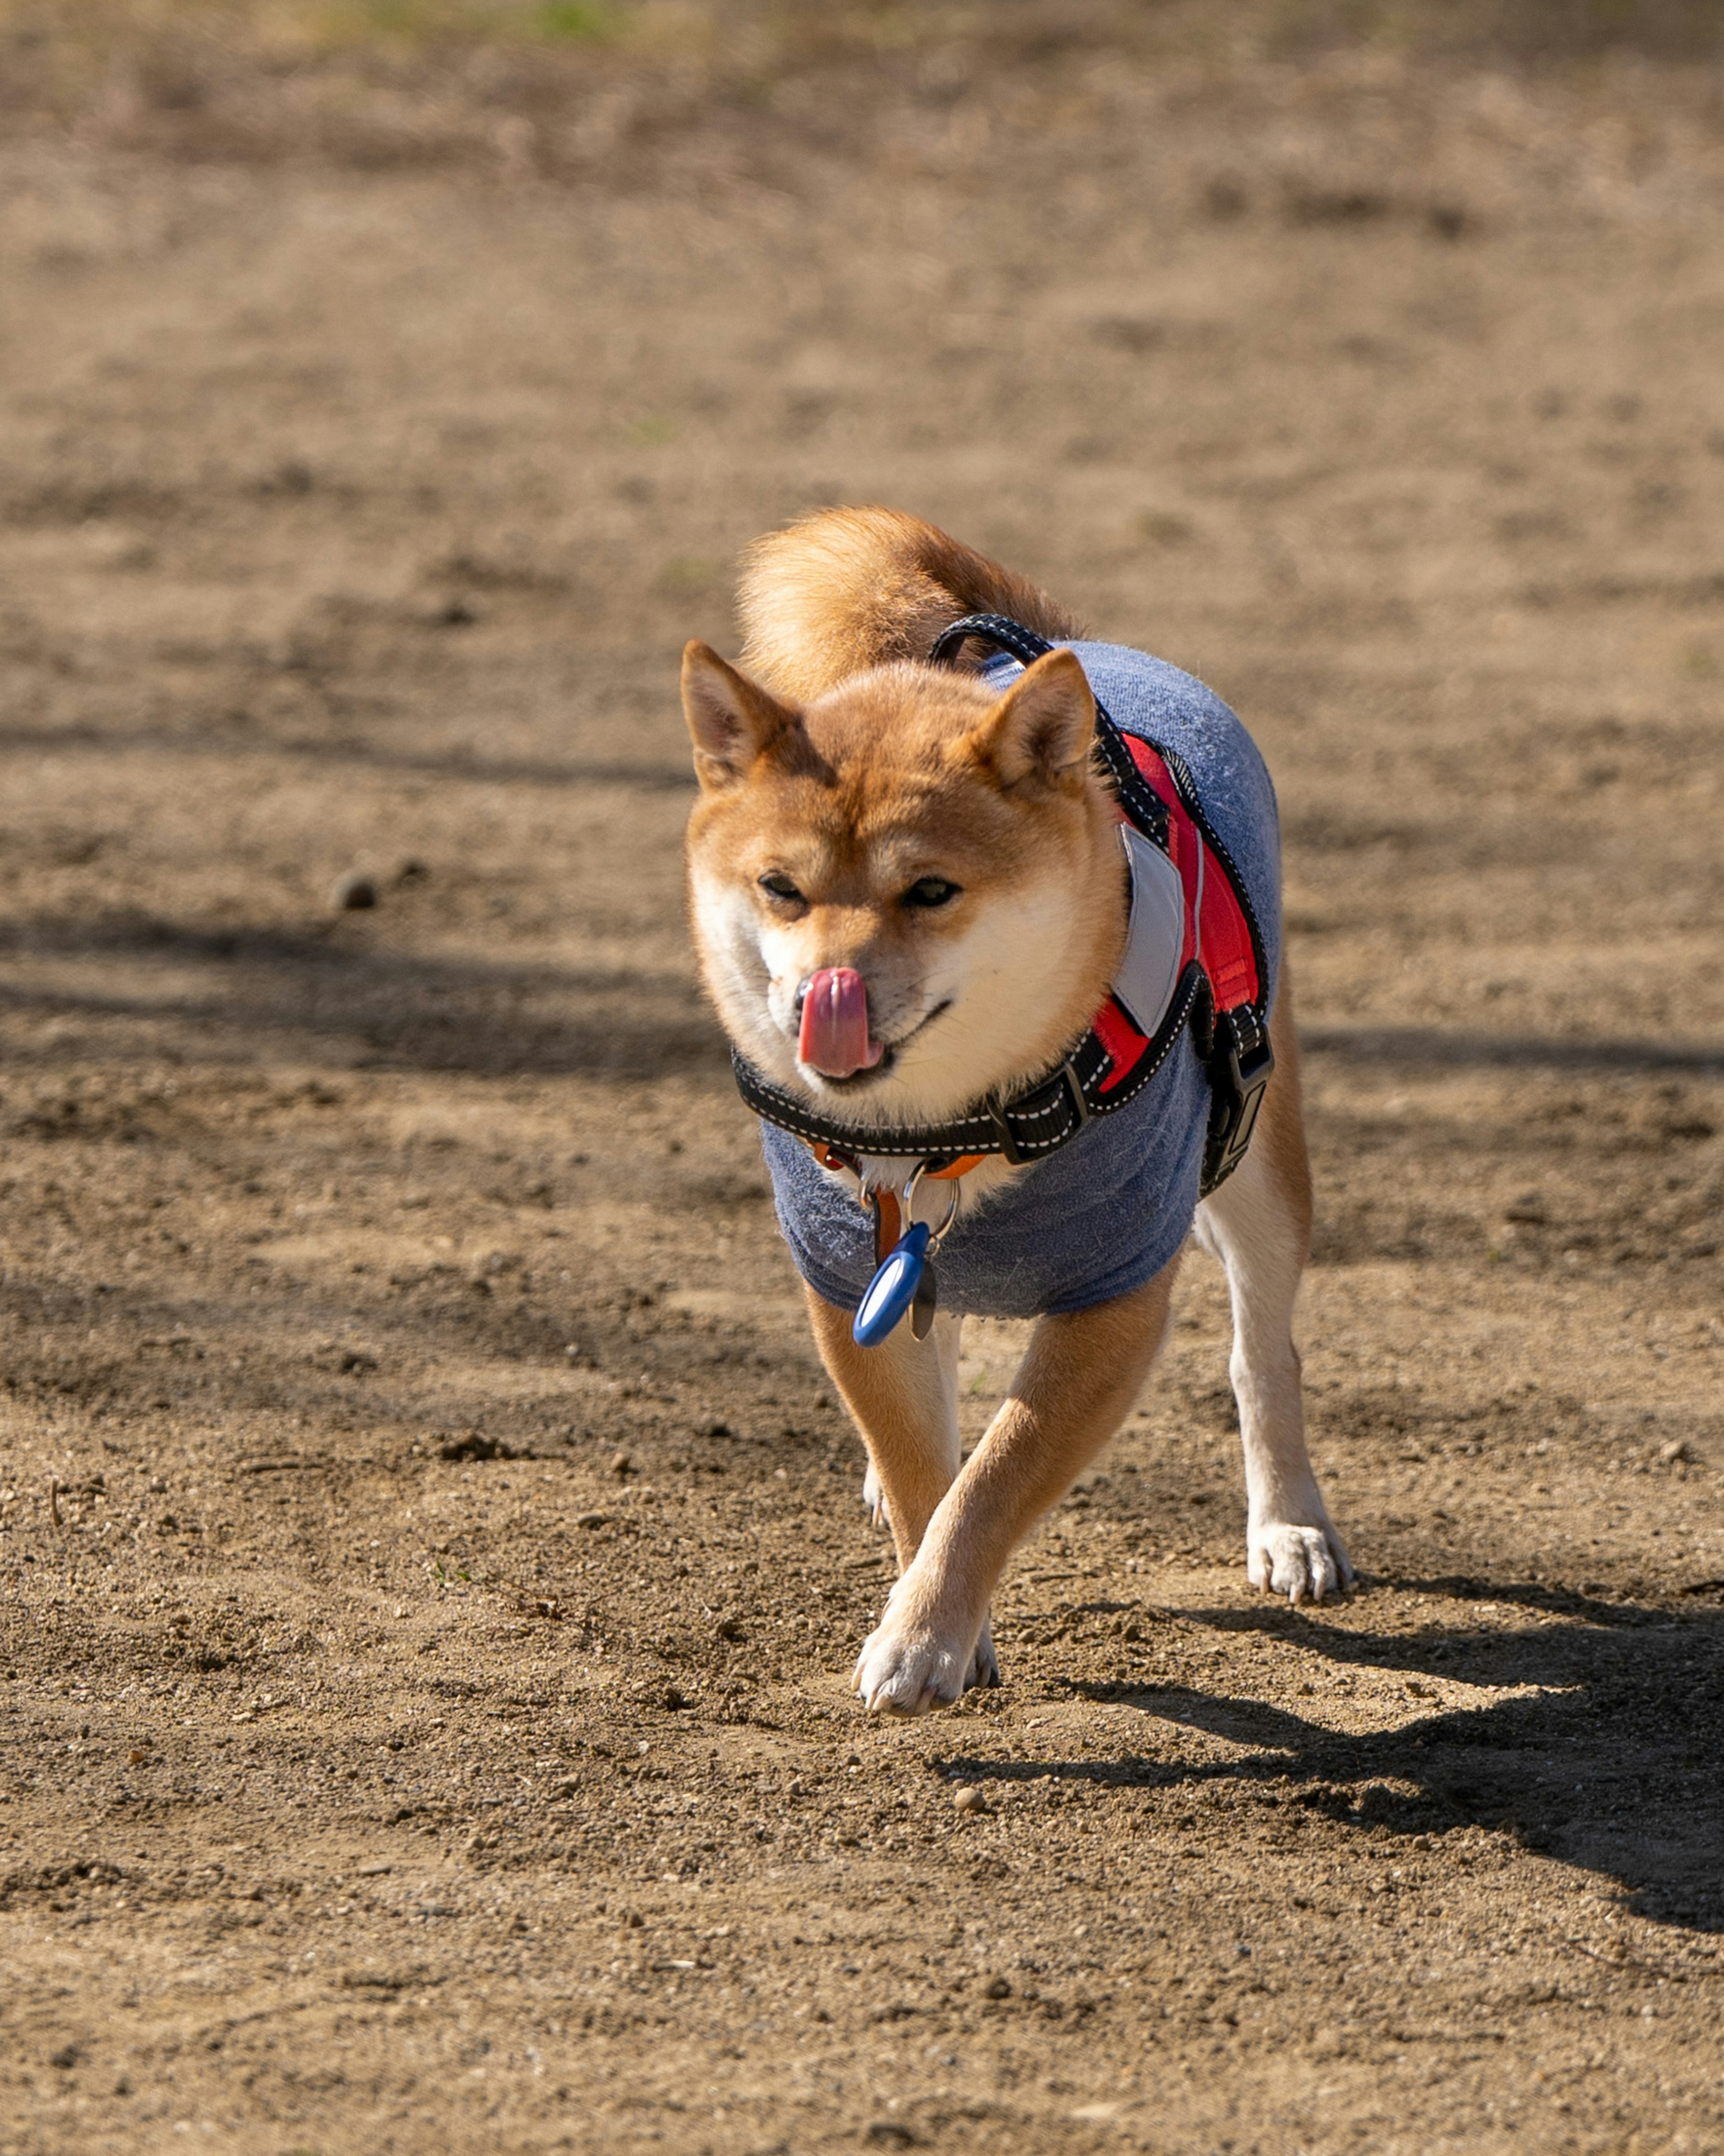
x=1305 y=1563
x=907 y=1668
x=874 y=1497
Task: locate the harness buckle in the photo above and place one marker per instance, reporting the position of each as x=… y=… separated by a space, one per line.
x=1009 y=1147
x=1241 y=1065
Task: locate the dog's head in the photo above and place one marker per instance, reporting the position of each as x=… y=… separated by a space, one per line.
x=907 y=893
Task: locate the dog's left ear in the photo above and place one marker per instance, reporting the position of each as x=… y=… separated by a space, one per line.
x=732 y=719
x=1039 y=732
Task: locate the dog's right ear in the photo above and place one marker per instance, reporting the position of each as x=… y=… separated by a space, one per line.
x=732 y=720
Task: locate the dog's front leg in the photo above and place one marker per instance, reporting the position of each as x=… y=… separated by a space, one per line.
x=904 y=1397
x=1075 y=1386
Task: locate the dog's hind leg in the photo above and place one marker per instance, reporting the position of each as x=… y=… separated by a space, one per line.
x=1258 y=1225
x=904 y=1396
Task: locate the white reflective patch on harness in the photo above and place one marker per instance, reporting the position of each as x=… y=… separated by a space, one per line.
x=1149 y=971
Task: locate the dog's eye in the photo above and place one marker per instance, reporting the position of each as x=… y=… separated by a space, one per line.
x=779 y=885
x=930 y=890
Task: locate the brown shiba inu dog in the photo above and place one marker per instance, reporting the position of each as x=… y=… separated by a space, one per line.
x=911 y=899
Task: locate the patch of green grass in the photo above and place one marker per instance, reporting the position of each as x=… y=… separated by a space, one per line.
x=439 y=21
x=687 y=577
x=574 y=22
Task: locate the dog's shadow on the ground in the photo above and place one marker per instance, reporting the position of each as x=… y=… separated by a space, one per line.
x=1612 y=1763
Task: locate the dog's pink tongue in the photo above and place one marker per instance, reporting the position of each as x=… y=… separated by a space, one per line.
x=834 y=1024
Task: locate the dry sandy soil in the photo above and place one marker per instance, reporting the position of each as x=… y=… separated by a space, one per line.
x=430 y=1557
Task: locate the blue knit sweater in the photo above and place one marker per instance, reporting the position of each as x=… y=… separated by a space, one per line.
x=1106 y=1212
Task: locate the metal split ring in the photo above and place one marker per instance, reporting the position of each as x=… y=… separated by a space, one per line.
x=907 y=1203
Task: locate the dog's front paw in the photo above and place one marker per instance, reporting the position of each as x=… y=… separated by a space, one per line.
x=874 y=1497
x=1305 y=1563
x=908 y=1668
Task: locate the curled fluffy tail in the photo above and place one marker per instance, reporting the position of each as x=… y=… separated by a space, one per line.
x=847 y=589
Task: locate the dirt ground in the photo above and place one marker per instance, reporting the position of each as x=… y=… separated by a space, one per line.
x=430 y=1557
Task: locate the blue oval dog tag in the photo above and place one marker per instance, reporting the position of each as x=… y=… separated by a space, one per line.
x=892 y=1288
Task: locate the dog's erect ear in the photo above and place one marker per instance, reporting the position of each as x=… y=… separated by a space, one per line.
x=1039 y=732
x=732 y=719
